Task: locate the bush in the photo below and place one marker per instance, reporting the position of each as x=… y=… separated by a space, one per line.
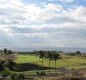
x=30 y=78
x=1 y=65
x=13 y=76
x=40 y=73
x=17 y=76
x=11 y=65
x=5 y=73
x=20 y=76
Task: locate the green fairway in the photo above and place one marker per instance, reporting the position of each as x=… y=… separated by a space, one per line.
x=26 y=59
x=68 y=62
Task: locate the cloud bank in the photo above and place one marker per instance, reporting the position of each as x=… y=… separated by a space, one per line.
x=48 y=25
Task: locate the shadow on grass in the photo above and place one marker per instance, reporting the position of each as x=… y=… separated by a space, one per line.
x=29 y=67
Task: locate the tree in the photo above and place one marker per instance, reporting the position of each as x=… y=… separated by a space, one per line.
x=78 y=53
x=5 y=51
x=41 y=55
x=55 y=56
x=49 y=56
x=10 y=55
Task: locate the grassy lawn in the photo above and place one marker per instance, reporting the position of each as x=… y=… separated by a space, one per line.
x=69 y=62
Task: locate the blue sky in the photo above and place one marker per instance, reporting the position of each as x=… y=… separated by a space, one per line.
x=40 y=24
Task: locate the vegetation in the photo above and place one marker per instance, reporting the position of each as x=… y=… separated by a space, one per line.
x=63 y=62
x=41 y=55
x=17 y=66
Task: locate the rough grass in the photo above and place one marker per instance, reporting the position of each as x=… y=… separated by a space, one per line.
x=77 y=67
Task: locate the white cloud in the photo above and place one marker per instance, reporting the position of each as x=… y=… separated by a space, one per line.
x=50 y=0
x=42 y=23
x=67 y=1
x=16 y=13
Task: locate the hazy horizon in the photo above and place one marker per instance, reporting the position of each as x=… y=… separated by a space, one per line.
x=64 y=49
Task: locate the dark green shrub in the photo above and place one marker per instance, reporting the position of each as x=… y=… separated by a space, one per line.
x=40 y=73
x=20 y=77
x=5 y=73
x=13 y=76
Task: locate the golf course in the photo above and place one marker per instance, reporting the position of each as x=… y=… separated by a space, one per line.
x=43 y=65
x=66 y=61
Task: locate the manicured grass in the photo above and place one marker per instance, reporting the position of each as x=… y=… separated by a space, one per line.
x=26 y=59
x=69 y=61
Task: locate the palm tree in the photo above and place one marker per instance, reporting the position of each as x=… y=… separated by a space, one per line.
x=49 y=56
x=55 y=56
x=10 y=54
x=5 y=51
x=41 y=55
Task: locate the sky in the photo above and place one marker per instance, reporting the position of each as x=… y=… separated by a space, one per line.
x=40 y=24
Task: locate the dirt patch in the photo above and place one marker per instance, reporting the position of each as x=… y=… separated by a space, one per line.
x=66 y=74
